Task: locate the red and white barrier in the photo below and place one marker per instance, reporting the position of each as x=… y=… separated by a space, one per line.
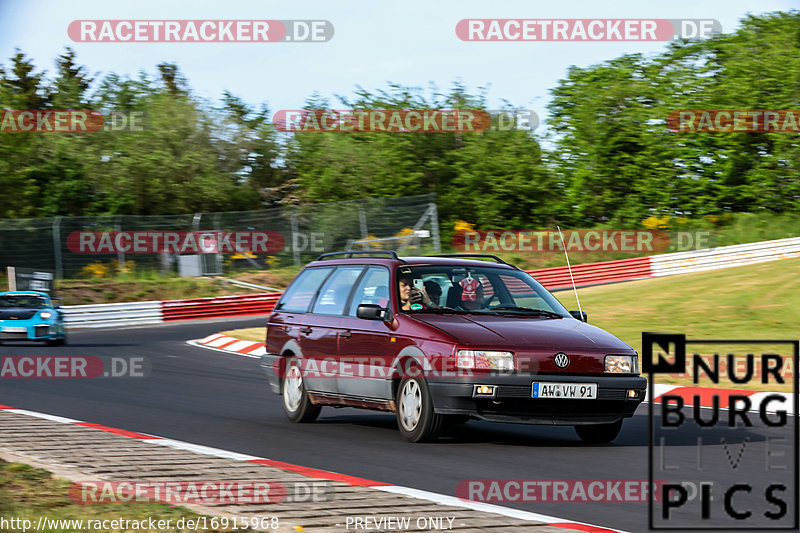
x=222 y=306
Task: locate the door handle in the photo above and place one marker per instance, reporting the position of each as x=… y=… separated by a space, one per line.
x=305 y=330
x=344 y=333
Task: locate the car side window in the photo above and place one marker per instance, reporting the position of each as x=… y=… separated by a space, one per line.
x=372 y=289
x=333 y=295
x=298 y=296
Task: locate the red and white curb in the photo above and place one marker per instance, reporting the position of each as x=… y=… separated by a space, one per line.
x=224 y=343
x=433 y=497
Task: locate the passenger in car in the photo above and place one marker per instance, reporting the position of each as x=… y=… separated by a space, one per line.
x=434 y=291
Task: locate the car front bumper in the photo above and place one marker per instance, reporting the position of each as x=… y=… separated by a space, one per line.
x=513 y=401
x=30 y=330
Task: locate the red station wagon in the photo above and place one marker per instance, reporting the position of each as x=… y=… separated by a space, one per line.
x=444 y=338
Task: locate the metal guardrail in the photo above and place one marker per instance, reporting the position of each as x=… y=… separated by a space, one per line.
x=557 y=278
x=724 y=257
x=105 y=315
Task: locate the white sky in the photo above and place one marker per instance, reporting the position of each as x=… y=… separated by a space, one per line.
x=411 y=42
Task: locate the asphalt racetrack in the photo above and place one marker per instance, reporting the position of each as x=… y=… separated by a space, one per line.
x=222 y=400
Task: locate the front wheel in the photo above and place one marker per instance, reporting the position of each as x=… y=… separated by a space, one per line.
x=599 y=433
x=415 y=416
x=296 y=403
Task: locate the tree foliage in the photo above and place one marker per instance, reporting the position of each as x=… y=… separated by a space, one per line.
x=611 y=157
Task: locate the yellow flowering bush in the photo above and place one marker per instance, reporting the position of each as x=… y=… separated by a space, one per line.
x=654 y=222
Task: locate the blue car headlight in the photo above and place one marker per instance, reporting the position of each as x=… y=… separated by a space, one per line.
x=46 y=314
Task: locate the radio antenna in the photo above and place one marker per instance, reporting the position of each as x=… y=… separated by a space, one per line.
x=569 y=267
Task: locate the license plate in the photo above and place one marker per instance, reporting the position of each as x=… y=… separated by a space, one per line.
x=15 y=329
x=585 y=391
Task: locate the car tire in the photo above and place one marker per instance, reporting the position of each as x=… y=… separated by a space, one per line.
x=415 y=416
x=296 y=403
x=599 y=433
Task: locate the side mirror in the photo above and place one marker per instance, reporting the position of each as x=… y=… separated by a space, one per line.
x=371 y=312
x=580 y=315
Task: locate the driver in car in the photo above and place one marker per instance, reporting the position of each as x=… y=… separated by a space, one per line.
x=411 y=297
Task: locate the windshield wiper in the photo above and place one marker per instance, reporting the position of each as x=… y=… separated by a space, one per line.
x=527 y=310
x=442 y=309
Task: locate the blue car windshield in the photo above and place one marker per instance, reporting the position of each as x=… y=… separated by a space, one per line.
x=25 y=301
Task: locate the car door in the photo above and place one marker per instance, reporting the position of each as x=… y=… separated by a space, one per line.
x=291 y=315
x=365 y=349
x=319 y=332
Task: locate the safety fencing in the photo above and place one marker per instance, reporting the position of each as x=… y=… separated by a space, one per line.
x=558 y=278
x=106 y=315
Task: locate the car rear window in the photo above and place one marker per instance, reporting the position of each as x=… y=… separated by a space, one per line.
x=298 y=296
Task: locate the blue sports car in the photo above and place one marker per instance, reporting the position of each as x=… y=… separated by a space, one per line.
x=30 y=316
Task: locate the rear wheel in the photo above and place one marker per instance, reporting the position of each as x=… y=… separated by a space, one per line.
x=599 y=433
x=296 y=403
x=415 y=416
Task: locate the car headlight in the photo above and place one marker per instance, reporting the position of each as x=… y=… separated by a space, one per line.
x=46 y=314
x=622 y=364
x=484 y=360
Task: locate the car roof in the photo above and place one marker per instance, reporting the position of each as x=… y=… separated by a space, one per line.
x=410 y=261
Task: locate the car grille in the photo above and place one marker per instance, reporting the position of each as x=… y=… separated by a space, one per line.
x=13 y=336
x=19 y=314
x=41 y=331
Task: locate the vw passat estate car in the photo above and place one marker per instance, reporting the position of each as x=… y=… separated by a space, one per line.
x=439 y=339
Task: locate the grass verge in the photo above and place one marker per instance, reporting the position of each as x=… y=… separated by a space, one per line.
x=28 y=493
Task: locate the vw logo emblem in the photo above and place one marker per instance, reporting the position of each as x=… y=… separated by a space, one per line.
x=562 y=360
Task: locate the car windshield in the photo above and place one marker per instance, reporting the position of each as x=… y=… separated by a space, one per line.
x=474 y=289
x=27 y=301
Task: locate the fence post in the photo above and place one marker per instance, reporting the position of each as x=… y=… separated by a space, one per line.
x=120 y=254
x=295 y=251
x=362 y=221
x=437 y=245
x=218 y=255
x=57 y=246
